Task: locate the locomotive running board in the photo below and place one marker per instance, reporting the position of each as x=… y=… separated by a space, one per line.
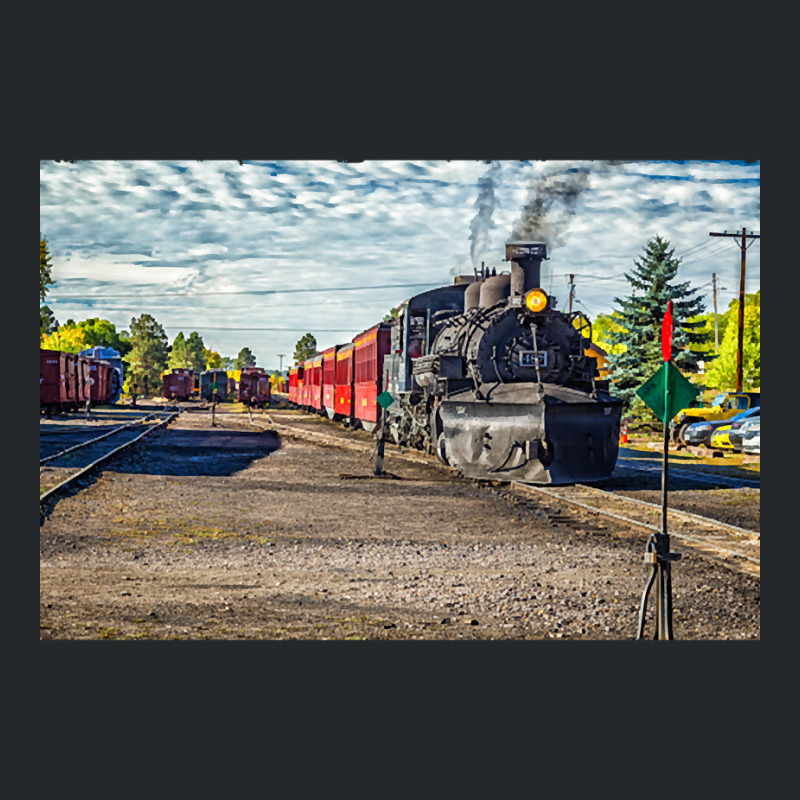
x=559 y=437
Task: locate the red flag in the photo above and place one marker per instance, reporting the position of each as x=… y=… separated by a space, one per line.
x=666 y=333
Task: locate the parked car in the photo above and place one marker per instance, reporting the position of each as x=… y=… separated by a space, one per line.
x=753 y=445
x=700 y=432
x=751 y=439
x=726 y=437
x=742 y=430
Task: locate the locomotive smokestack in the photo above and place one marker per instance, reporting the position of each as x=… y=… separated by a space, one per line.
x=526 y=262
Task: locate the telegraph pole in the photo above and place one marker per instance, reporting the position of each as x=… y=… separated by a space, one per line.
x=743 y=247
x=571 y=291
x=280 y=368
x=716 y=329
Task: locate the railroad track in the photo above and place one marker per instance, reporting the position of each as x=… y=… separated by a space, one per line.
x=734 y=545
x=89 y=446
x=696 y=476
x=702 y=534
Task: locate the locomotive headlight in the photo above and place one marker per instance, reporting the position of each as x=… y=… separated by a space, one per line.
x=536 y=300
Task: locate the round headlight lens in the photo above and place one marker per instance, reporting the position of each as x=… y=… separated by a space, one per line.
x=536 y=300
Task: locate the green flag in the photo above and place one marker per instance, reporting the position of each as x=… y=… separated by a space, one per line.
x=385 y=399
x=681 y=391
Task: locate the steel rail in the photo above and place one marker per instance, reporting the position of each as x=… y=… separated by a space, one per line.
x=638 y=523
x=320 y=436
x=96 y=439
x=674 y=511
x=698 y=477
x=108 y=455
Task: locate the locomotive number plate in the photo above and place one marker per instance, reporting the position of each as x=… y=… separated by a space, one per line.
x=527 y=358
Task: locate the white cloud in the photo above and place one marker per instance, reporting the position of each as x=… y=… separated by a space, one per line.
x=218 y=226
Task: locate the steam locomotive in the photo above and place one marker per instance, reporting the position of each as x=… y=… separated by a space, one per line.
x=488 y=375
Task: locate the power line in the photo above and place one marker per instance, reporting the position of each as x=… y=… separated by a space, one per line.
x=248 y=291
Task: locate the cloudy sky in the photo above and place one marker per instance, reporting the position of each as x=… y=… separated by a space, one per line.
x=259 y=253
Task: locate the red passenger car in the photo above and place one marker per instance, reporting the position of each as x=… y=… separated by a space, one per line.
x=343 y=385
x=254 y=388
x=370 y=348
x=328 y=380
x=295 y=383
x=312 y=383
x=178 y=384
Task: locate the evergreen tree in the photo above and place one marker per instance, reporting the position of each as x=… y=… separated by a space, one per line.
x=197 y=352
x=245 y=359
x=305 y=348
x=147 y=359
x=640 y=317
x=47 y=321
x=45 y=267
x=179 y=355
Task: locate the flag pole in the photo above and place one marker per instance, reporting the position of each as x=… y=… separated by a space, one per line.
x=657 y=554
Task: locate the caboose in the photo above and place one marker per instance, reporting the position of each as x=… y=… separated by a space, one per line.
x=254 y=388
x=178 y=384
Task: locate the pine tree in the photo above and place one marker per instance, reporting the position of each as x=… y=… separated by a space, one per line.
x=305 y=348
x=197 y=352
x=179 y=356
x=45 y=267
x=640 y=317
x=147 y=359
x=245 y=359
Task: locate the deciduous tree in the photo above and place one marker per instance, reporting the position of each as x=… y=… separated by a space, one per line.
x=102 y=333
x=69 y=338
x=722 y=372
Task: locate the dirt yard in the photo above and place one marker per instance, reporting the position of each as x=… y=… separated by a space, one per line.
x=227 y=532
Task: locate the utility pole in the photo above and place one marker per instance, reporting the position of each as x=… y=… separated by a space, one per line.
x=571 y=291
x=716 y=329
x=280 y=368
x=743 y=247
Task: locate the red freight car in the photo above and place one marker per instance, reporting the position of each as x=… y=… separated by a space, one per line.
x=178 y=384
x=100 y=387
x=295 y=384
x=53 y=374
x=370 y=348
x=329 y=379
x=343 y=384
x=254 y=388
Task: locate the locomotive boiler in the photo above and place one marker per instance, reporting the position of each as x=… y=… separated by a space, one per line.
x=490 y=376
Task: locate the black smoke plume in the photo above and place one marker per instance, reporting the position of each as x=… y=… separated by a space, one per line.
x=552 y=197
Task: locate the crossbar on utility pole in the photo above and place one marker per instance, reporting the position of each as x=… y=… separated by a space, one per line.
x=740 y=346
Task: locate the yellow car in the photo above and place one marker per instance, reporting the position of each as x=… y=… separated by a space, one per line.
x=720 y=440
